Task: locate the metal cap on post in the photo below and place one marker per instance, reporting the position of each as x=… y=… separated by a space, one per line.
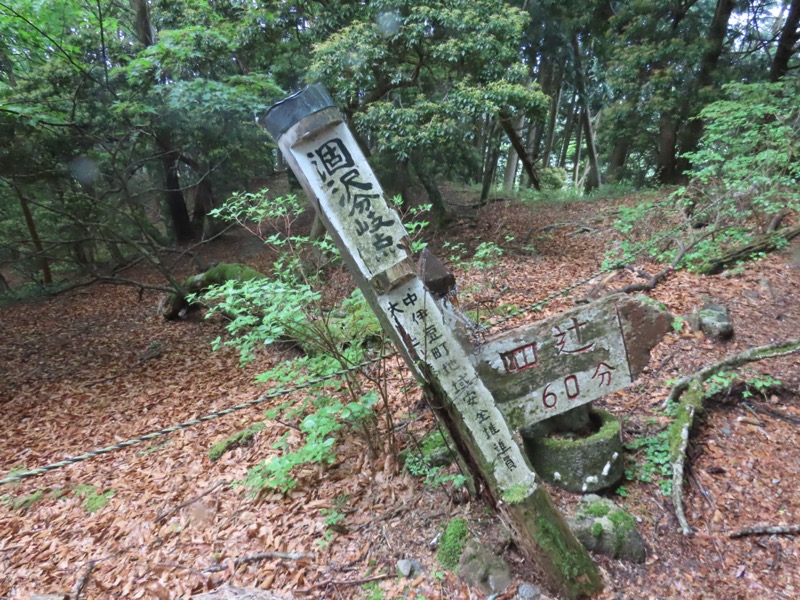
x=284 y=114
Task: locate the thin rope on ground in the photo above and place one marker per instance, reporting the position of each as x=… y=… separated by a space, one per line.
x=186 y=424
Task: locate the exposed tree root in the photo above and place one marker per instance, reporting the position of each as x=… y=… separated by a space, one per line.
x=688 y=393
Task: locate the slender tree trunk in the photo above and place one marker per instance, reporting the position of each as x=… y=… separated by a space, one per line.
x=516 y=143
x=593 y=181
x=787 y=43
x=555 y=107
x=567 y=134
x=576 y=167
x=512 y=162
x=44 y=265
x=488 y=173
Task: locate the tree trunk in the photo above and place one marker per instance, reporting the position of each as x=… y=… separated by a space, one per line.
x=555 y=106
x=512 y=162
x=516 y=143
x=488 y=173
x=173 y=196
x=576 y=167
x=708 y=65
x=790 y=34
x=666 y=165
x=567 y=134
x=593 y=181
x=616 y=163
x=428 y=181
x=35 y=239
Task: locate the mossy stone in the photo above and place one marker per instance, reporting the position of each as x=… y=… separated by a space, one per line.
x=452 y=543
x=604 y=527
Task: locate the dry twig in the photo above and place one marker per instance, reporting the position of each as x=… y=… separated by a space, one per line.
x=185 y=503
x=766 y=530
x=244 y=560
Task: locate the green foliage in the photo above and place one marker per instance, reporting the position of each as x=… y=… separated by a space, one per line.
x=484 y=257
x=319 y=430
x=372 y=591
x=433 y=476
x=452 y=544
x=263 y=312
x=748 y=154
x=724 y=382
x=655 y=464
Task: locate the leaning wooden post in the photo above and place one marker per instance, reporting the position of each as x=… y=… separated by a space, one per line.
x=322 y=152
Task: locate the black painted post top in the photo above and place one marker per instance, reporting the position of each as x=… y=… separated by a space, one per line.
x=293 y=109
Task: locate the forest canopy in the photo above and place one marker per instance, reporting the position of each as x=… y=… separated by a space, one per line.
x=125 y=124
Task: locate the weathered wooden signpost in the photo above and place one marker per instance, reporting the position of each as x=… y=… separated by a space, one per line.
x=322 y=152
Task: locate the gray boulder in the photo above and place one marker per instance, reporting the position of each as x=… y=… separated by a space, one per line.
x=604 y=527
x=481 y=568
x=714 y=321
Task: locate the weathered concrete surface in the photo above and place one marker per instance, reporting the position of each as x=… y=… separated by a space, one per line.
x=581 y=464
x=573 y=358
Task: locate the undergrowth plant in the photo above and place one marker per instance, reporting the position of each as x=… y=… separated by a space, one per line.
x=653 y=463
x=744 y=180
x=293 y=305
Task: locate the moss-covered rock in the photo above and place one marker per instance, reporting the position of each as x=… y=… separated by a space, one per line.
x=452 y=544
x=604 y=527
x=173 y=304
x=241 y=438
x=481 y=568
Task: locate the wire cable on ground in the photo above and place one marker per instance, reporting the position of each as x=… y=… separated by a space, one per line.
x=186 y=424
x=282 y=392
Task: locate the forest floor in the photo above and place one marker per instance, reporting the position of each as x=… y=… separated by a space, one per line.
x=71 y=380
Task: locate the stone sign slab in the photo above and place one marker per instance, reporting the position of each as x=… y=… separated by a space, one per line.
x=568 y=360
x=557 y=364
x=419 y=321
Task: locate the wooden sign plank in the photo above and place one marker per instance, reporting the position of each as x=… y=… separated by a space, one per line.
x=334 y=173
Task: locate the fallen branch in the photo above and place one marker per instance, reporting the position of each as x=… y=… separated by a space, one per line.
x=186 y=503
x=244 y=560
x=688 y=393
x=766 y=530
x=782 y=348
x=765 y=243
x=345 y=582
x=78 y=589
x=691 y=405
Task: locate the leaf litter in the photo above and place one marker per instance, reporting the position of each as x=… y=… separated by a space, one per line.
x=743 y=467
